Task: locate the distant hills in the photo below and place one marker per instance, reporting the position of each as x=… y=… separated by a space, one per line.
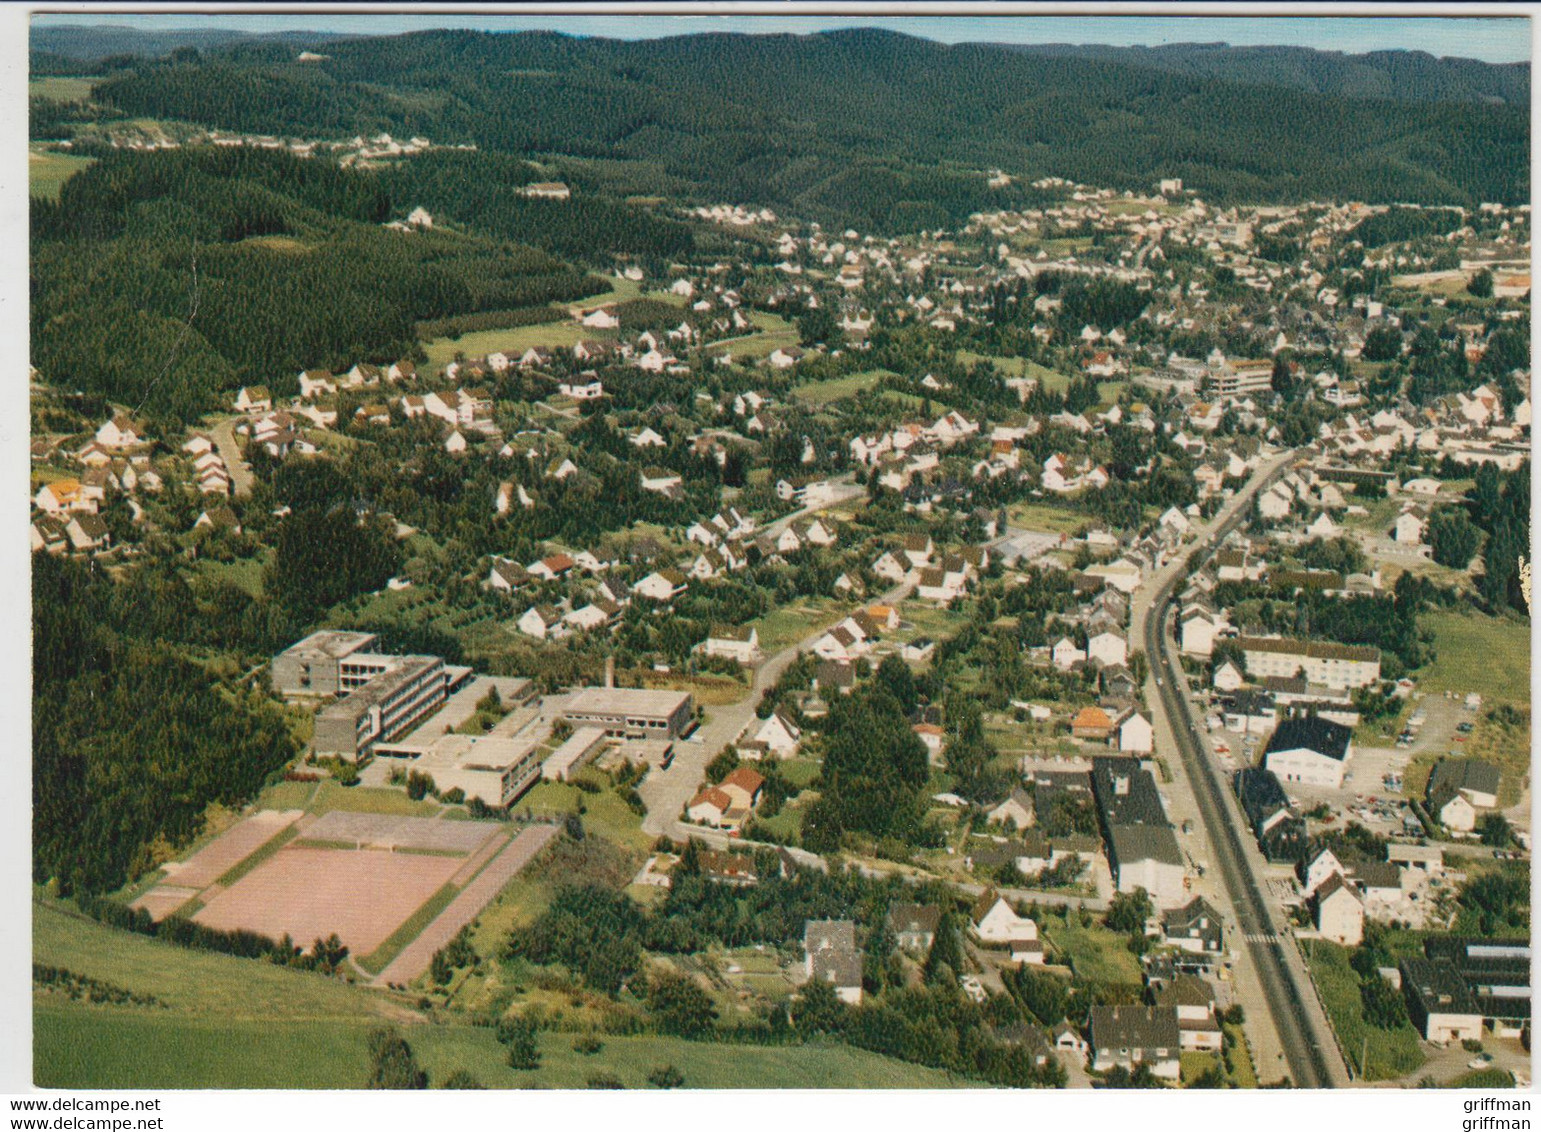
x=77 y=44
x=875 y=128
x=1401 y=76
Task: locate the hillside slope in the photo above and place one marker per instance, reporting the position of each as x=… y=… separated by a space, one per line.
x=864 y=125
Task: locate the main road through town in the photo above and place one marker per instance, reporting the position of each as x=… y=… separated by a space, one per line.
x=1304 y=1037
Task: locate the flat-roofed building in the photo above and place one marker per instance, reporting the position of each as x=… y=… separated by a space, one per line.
x=495 y=768
x=1496 y=972
x=579 y=749
x=380 y=706
x=313 y=666
x=632 y=713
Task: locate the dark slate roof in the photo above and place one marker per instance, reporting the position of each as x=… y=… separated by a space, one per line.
x=1259 y=791
x=1126 y=795
x=1190 y=915
x=840 y=968
x=1438 y=987
x=1377 y=874
x=1311 y=732
x=836 y=935
x=1186 y=990
x=1144 y=843
x=921 y=918
x=1464 y=774
x=1134 y=1027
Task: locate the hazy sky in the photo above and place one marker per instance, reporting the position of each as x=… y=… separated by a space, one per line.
x=1493 y=40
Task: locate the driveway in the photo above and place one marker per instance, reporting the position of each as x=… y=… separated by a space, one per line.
x=223 y=435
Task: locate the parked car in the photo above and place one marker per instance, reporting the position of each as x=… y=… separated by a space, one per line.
x=1481 y=1061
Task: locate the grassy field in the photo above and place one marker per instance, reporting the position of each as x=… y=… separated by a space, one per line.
x=1386 y=1053
x=1479 y=654
x=605 y=814
x=47 y=171
x=87 y=1047
x=194 y=983
x=238 y=1023
x=1242 y=1070
x=243 y=573
x=820 y=393
x=286 y=796
x=515 y=340
x=793 y=623
x=1490 y=1078
x=61 y=88
x=1094 y=953
x=370 y=800
x=1047 y=517
x=771 y=333
x=709 y=689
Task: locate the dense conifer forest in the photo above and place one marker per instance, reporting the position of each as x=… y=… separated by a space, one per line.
x=165 y=279
x=852 y=125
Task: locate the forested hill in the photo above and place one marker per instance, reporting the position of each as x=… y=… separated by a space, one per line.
x=89 y=43
x=164 y=280
x=869 y=126
x=1402 y=76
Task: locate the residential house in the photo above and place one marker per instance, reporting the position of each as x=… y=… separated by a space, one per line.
x=540 y=622
x=1280 y=832
x=776 y=735
x=1134 y=734
x=1130 y=1036
x=119 y=433
x=733 y=642
x=914 y=926
x=1227 y=676
x=1338 y=912
x=1016 y=812
x=831 y=956
x=1195 y=927
x=506 y=576
x=993 y=920
x=87 y=532
x=662 y=585
x=1093 y=723
x=254 y=399
x=1194 y=1001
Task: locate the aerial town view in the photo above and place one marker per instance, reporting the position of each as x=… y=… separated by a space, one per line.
x=872 y=557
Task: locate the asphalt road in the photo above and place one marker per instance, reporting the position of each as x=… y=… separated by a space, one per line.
x=1309 y=1047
